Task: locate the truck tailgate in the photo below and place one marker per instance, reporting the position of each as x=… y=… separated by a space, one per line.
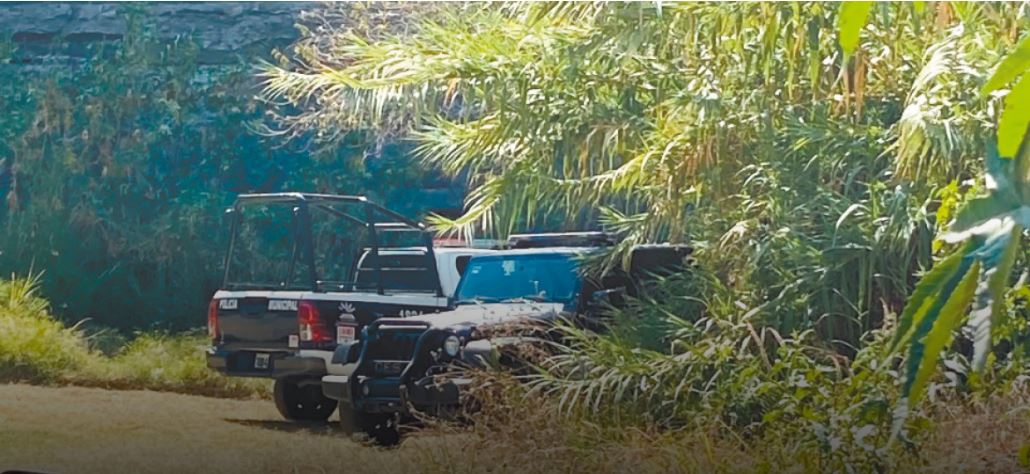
x=257 y=322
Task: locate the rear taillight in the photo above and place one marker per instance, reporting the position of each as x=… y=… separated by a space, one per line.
x=312 y=328
x=212 y=321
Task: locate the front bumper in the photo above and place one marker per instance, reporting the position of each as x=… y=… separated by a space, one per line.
x=389 y=395
x=431 y=393
x=370 y=395
x=337 y=387
x=241 y=363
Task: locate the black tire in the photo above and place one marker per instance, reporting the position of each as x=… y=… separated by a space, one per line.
x=302 y=402
x=381 y=427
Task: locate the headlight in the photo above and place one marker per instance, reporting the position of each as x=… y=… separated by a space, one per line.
x=451 y=345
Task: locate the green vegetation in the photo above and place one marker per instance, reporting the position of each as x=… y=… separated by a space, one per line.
x=114 y=174
x=854 y=177
x=810 y=151
x=992 y=227
x=35 y=347
x=810 y=180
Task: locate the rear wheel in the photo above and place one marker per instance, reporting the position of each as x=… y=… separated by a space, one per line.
x=301 y=400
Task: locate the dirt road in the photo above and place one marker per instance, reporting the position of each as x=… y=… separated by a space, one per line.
x=85 y=430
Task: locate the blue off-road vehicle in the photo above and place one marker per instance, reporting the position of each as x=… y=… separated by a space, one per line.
x=305 y=272
x=404 y=365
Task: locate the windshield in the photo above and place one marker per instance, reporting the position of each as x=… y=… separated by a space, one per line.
x=546 y=277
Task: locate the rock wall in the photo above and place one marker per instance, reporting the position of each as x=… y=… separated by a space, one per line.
x=224 y=31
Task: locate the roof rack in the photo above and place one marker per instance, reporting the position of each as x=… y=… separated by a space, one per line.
x=370 y=215
x=562 y=239
x=321 y=200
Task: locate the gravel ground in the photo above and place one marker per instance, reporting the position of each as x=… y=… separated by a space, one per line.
x=86 y=430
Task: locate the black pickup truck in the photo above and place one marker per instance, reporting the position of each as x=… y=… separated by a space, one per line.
x=304 y=272
x=404 y=364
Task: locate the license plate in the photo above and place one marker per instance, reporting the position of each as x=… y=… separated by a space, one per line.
x=344 y=334
x=389 y=367
x=261 y=361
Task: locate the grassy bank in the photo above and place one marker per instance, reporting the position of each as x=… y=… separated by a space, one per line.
x=723 y=396
x=37 y=348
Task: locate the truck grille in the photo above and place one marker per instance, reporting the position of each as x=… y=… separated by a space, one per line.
x=395 y=344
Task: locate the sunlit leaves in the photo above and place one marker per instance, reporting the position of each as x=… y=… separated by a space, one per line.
x=977 y=273
x=935 y=329
x=1015 y=118
x=935 y=136
x=1014 y=64
x=998 y=255
x=983 y=216
x=850 y=20
x=928 y=293
x=992 y=227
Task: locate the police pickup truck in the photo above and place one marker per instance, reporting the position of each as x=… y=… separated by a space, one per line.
x=403 y=364
x=304 y=272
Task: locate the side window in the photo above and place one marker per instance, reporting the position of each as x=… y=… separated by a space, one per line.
x=266 y=252
x=462 y=263
x=399 y=272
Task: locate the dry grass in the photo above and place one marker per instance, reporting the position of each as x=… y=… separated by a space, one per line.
x=983 y=436
x=88 y=430
x=971 y=437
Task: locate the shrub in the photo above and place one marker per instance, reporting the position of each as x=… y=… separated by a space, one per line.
x=714 y=368
x=169 y=362
x=33 y=345
x=36 y=348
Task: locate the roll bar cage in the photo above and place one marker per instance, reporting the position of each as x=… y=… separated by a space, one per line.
x=305 y=201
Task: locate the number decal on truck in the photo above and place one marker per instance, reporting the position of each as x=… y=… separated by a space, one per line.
x=282 y=305
x=407 y=313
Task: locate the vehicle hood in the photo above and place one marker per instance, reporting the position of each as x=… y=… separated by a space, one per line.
x=471 y=315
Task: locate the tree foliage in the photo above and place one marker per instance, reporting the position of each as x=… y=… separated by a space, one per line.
x=557 y=107
x=114 y=174
x=807 y=176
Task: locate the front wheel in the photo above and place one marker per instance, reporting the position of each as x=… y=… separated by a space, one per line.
x=302 y=401
x=381 y=427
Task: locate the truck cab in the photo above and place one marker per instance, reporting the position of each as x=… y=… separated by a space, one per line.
x=404 y=364
x=304 y=272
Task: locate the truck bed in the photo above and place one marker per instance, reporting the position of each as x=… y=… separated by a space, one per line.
x=266 y=320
